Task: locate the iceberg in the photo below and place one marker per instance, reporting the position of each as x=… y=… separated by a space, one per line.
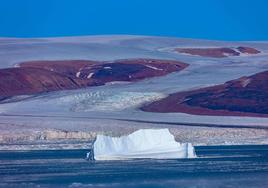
x=144 y=143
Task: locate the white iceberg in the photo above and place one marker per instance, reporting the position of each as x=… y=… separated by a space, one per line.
x=144 y=143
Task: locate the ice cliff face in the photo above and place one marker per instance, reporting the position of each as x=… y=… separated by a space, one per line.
x=46 y=135
x=144 y=143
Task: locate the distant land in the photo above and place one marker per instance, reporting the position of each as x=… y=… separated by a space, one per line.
x=67 y=90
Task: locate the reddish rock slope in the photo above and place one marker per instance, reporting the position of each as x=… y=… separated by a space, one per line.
x=23 y=81
x=218 y=52
x=247 y=96
x=45 y=76
x=248 y=50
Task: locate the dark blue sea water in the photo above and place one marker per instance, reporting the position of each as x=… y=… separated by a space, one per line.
x=217 y=166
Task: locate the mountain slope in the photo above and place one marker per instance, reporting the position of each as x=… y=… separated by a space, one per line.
x=246 y=96
x=44 y=76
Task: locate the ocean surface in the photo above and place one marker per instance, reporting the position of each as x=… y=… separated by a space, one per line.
x=216 y=166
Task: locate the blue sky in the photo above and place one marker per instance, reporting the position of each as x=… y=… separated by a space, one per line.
x=207 y=19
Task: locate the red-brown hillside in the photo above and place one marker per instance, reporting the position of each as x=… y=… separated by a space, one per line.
x=218 y=52
x=44 y=76
x=247 y=96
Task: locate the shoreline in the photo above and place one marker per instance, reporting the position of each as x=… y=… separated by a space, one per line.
x=49 y=139
x=197 y=146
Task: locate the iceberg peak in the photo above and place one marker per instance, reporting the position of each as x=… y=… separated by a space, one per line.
x=144 y=143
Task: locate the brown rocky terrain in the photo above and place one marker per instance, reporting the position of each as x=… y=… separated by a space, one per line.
x=246 y=96
x=44 y=76
x=27 y=80
x=218 y=52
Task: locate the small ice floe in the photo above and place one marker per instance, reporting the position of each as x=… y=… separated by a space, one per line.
x=142 y=144
x=90 y=155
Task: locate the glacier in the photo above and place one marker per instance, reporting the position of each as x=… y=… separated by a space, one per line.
x=144 y=143
x=112 y=100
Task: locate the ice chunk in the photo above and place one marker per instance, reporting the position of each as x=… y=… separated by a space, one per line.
x=144 y=143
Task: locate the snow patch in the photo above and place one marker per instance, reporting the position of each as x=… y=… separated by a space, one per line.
x=117 y=83
x=245 y=82
x=152 y=67
x=17 y=65
x=78 y=74
x=90 y=75
x=236 y=50
x=227 y=54
x=107 y=67
x=144 y=143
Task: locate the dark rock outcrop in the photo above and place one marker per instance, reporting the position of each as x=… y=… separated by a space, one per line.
x=28 y=80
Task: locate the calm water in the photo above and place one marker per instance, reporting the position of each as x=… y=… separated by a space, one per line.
x=218 y=166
